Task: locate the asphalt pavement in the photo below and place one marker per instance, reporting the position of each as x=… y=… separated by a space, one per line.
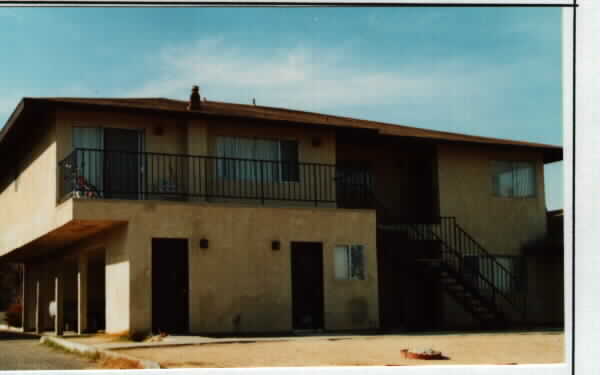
x=24 y=352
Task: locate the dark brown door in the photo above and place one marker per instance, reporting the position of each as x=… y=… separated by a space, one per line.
x=307 y=285
x=170 y=285
x=121 y=163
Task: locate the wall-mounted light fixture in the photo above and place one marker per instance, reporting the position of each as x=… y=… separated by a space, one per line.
x=316 y=141
x=204 y=243
x=275 y=245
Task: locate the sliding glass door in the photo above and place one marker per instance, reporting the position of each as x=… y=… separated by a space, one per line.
x=110 y=162
x=89 y=160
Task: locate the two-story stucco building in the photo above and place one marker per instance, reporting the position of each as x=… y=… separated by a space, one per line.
x=204 y=217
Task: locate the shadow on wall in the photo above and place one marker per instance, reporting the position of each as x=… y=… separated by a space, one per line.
x=11 y=282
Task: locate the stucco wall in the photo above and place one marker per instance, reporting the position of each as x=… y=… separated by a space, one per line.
x=185 y=136
x=239 y=274
x=323 y=153
x=501 y=225
x=171 y=140
x=28 y=202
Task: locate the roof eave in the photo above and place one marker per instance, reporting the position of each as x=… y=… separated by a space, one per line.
x=551 y=153
x=13 y=119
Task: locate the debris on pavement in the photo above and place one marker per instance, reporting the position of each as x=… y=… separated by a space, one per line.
x=427 y=354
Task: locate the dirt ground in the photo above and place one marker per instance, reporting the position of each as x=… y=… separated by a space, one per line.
x=511 y=348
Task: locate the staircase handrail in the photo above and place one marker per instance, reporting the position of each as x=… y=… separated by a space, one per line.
x=458 y=254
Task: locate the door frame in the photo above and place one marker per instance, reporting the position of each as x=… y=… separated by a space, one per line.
x=187 y=283
x=141 y=134
x=322 y=269
x=141 y=160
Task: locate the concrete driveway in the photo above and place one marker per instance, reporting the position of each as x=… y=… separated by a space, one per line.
x=24 y=352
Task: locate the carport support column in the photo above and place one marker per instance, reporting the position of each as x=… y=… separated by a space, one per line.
x=37 y=317
x=26 y=305
x=82 y=294
x=58 y=299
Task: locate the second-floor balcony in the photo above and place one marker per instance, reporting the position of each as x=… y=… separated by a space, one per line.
x=103 y=174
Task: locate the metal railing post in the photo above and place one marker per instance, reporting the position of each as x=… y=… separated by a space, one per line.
x=493 y=281
x=314 y=167
x=262 y=183
x=206 y=195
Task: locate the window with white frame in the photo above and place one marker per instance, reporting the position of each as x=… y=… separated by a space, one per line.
x=257 y=159
x=513 y=179
x=349 y=262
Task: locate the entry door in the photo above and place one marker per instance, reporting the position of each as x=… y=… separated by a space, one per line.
x=170 y=285
x=122 y=163
x=307 y=285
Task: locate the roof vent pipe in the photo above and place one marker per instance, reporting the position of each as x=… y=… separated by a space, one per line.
x=194 y=104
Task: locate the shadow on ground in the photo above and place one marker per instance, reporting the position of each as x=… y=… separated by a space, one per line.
x=6 y=336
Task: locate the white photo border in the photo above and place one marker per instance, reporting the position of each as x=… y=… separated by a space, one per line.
x=581 y=144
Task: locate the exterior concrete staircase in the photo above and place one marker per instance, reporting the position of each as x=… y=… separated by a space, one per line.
x=488 y=314
x=467 y=272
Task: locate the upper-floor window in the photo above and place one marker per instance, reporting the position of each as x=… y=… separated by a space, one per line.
x=513 y=179
x=257 y=159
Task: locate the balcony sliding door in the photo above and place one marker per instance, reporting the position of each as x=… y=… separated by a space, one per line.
x=122 y=163
x=89 y=160
x=108 y=162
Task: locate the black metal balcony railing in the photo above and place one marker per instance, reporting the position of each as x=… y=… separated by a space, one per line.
x=92 y=173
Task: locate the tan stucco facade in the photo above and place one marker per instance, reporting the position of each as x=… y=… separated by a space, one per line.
x=239 y=275
x=28 y=196
x=240 y=278
x=500 y=225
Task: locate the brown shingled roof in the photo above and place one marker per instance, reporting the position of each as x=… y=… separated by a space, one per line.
x=212 y=108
